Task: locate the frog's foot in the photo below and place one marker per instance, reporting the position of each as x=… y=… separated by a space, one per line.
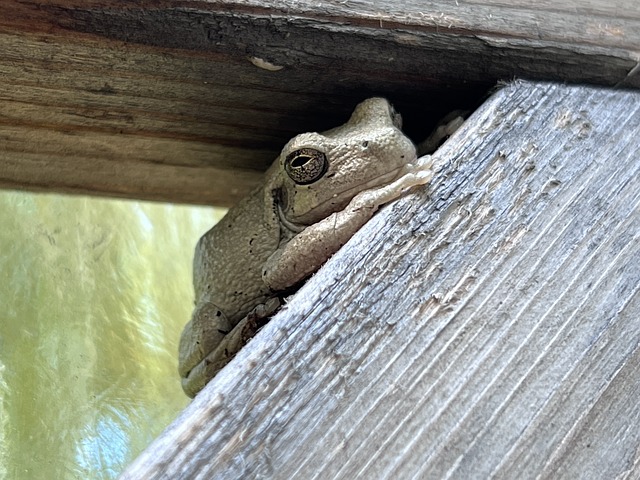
x=206 y=363
x=418 y=172
x=445 y=128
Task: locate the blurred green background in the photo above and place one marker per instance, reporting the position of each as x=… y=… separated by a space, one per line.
x=93 y=295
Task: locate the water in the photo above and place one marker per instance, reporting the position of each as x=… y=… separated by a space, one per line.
x=93 y=296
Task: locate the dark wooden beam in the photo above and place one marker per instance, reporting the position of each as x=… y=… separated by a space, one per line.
x=486 y=325
x=189 y=100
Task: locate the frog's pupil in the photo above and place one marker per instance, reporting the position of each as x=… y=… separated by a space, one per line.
x=300 y=161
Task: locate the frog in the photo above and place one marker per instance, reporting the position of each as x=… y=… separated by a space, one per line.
x=319 y=191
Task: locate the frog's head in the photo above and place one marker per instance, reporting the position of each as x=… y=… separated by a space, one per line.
x=319 y=173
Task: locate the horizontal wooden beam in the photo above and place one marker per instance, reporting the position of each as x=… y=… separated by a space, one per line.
x=484 y=326
x=190 y=100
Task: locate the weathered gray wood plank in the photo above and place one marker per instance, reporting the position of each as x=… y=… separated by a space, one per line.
x=87 y=83
x=485 y=326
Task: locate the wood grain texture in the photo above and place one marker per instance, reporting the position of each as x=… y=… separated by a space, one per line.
x=160 y=99
x=484 y=326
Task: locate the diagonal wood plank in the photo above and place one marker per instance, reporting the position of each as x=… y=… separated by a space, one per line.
x=485 y=326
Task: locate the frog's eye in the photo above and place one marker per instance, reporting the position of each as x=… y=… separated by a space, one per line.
x=306 y=165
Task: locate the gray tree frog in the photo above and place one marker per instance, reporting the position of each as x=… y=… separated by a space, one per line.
x=320 y=190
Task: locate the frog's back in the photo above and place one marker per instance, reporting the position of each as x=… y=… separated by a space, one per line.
x=228 y=261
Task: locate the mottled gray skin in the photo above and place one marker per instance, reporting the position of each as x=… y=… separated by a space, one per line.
x=282 y=232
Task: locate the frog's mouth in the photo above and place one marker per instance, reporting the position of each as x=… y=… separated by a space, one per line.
x=337 y=202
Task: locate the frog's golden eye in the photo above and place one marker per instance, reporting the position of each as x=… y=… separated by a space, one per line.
x=306 y=165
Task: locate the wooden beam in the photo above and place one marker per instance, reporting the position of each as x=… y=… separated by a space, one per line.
x=484 y=326
x=190 y=100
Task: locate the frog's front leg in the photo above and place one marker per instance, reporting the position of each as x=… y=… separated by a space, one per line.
x=309 y=249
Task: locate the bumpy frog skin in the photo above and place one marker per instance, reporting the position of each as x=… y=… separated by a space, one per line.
x=320 y=190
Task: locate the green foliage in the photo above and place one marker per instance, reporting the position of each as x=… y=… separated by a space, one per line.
x=94 y=294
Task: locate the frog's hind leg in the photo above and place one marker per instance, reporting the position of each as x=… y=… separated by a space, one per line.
x=226 y=345
x=206 y=330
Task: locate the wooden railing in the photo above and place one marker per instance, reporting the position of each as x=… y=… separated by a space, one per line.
x=486 y=325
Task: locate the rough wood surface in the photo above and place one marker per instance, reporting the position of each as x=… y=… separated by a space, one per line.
x=484 y=326
x=184 y=100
